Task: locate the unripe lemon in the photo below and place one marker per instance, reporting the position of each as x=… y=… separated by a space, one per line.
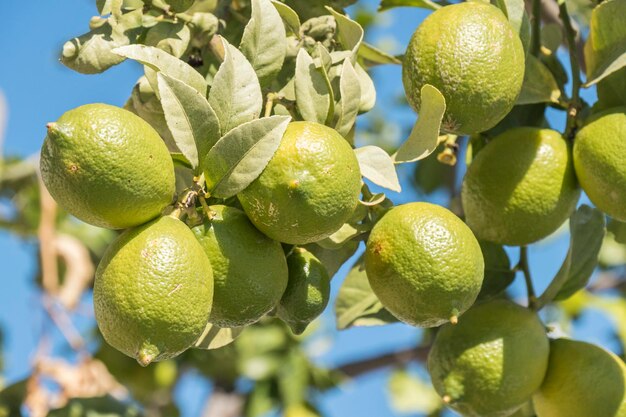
x=153 y=291
x=583 y=380
x=308 y=190
x=490 y=363
x=600 y=161
x=521 y=187
x=107 y=166
x=249 y=269
x=470 y=53
x=424 y=264
x=307 y=292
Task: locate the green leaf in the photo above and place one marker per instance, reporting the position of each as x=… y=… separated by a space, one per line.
x=618 y=229
x=214 y=337
x=586 y=234
x=614 y=62
x=345 y=234
x=374 y=56
x=322 y=57
x=189 y=117
x=241 y=155
x=264 y=41
x=313 y=94
x=410 y=394
x=333 y=259
x=156 y=60
x=289 y=16
x=356 y=303
x=172 y=38
x=539 y=84
x=350 y=100
x=105 y=406
x=236 y=93
x=498 y=272
x=424 y=4
x=377 y=166
x=180 y=160
x=518 y=18
x=368 y=90
x=424 y=137
x=349 y=33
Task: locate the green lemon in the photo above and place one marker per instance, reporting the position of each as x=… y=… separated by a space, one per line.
x=521 y=187
x=470 y=53
x=583 y=380
x=153 y=291
x=424 y=264
x=599 y=152
x=308 y=190
x=607 y=36
x=307 y=292
x=490 y=363
x=249 y=269
x=107 y=166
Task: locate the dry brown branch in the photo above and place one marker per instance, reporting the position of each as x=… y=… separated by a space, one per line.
x=46 y=235
x=391 y=359
x=79 y=269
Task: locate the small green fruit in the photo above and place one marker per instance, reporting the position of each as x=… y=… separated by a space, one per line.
x=492 y=361
x=153 y=291
x=249 y=269
x=424 y=264
x=307 y=292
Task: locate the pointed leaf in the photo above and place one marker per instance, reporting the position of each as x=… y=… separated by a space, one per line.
x=587 y=229
x=289 y=16
x=214 y=337
x=356 y=303
x=539 y=84
x=241 y=155
x=377 y=166
x=264 y=41
x=424 y=4
x=313 y=94
x=368 y=90
x=333 y=259
x=498 y=272
x=615 y=62
x=236 y=93
x=424 y=137
x=374 y=56
x=190 y=118
x=349 y=33
x=515 y=11
x=156 y=60
x=350 y=100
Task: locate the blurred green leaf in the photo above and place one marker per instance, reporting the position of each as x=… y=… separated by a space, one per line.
x=410 y=394
x=539 y=84
x=424 y=136
x=236 y=93
x=11 y=399
x=586 y=235
x=356 y=303
x=96 y=407
x=349 y=100
x=424 y=4
x=377 y=166
x=214 y=337
x=241 y=155
x=190 y=118
x=618 y=229
x=314 y=97
x=264 y=40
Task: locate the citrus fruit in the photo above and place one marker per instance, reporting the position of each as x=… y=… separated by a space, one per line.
x=153 y=291
x=490 y=363
x=599 y=151
x=307 y=292
x=521 y=187
x=308 y=190
x=424 y=264
x=472 y=55
x=107 y=166
x=582 y=380
x=607 y=37
x=249 y=269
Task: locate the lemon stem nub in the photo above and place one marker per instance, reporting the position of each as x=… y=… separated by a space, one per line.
x=146 y=355
x=454 y=318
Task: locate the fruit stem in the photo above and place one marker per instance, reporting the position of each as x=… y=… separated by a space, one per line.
x=269 y=103
x=535 y=37
x=575 y=104
x=523 y=266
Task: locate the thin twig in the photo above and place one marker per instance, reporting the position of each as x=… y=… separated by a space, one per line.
x=575 y=105
x=46 y=235
x=523 y=266
x=357 y=368
x=66 y=327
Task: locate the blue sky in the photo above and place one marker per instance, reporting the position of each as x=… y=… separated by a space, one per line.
x=39 y=89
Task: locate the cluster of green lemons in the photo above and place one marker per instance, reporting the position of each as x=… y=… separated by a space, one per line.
x=161 y=282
